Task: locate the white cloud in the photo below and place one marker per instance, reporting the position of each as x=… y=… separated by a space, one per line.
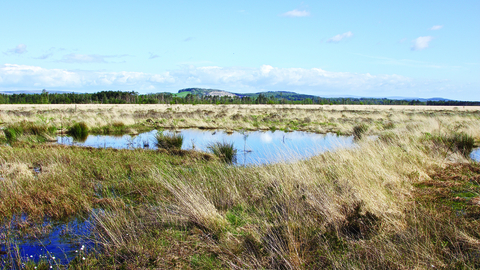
x=234 y=78
x=421 y=43
x=19 y=49
x=436 y=27
x=23 y=76
x=339 y=37
x=296 y=13
x=237 y=79
x=88 y=58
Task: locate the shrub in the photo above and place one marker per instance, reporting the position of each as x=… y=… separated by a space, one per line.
x=359 y=130
x=224 y=150
x=169 y=141
x=79 y=131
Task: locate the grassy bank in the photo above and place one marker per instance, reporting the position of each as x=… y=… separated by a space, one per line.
x=408 y=200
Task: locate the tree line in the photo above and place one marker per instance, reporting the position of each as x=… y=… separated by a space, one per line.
x=132 y=97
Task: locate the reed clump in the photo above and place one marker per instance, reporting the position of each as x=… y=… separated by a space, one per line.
x=169 y=140
x=224 y=150
x=454 y=141
x=359 y=131
x=79 y=131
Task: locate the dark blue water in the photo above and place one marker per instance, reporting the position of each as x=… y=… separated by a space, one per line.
x=61 y=244
x=253 y=147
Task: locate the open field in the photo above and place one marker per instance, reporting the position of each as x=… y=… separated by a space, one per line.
x=407 y=200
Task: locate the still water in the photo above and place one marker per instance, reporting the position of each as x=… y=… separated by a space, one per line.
x=253 y=147
x=63 y=242
x=475 y=155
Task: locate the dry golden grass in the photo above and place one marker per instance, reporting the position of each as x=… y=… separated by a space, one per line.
x=315 y=118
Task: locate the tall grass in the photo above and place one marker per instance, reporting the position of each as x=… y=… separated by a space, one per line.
x=224 y=150
x=169 y=141
x=14 y=132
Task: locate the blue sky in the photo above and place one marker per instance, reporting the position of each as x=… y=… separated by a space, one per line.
x=375 y=48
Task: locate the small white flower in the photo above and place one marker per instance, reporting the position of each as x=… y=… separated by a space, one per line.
x=83 y=258
x=76 y=251
x=31 y=256
x=53 y=257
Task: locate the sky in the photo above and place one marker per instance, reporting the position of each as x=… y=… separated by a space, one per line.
x=371 y=48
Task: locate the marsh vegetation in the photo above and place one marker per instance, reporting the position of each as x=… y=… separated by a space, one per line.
x=409 y=199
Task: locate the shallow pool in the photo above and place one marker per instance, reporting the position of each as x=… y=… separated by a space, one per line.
x=253 y=147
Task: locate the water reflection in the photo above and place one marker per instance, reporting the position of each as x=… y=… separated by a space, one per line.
x=61 y=244
x=475 y=155
x=253 y=147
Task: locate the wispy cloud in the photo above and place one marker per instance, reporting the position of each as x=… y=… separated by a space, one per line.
x=153 y=56
x=436 y=27
x=49 y=53
x=19 y=49
x=340 y=37
x=88 y=58
x=421 y=43
x=296 y=13
x=188 y=39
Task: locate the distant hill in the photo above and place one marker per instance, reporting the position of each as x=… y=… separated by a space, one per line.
x=419 y=99
x=33 y=92
x=287 y=95
x=205 y=92
x=216 y=92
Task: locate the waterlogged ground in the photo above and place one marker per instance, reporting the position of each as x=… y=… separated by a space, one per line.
x=254 y=147
x=50 y=243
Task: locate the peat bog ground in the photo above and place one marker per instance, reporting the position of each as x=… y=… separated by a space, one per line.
x=409 y=199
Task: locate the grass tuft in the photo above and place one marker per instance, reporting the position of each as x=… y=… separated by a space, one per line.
x=359 y=131
x=461 y=142
x=10 y=134
x=224 y=150
x=79 y=131
x=169 y=141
